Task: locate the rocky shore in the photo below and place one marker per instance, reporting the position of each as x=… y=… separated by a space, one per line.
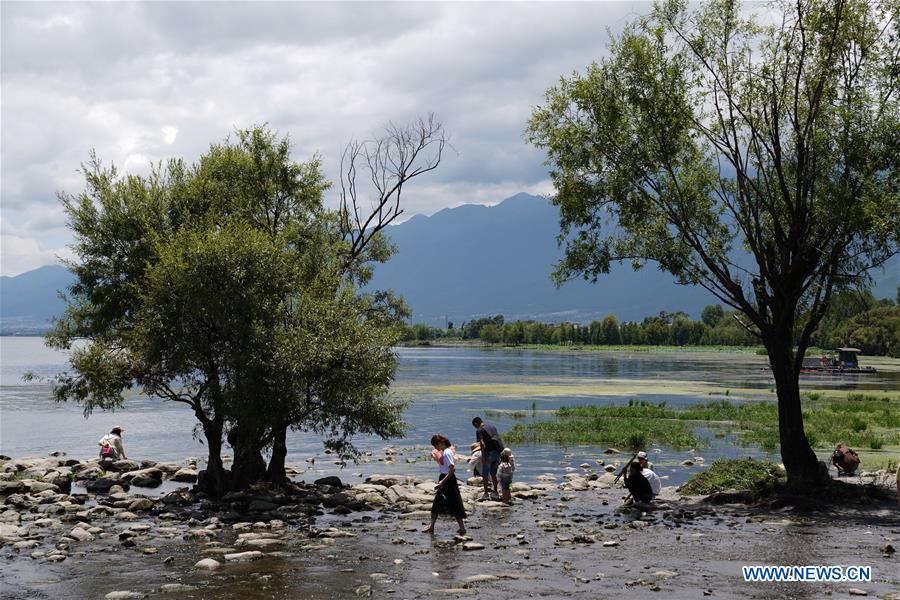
x=140 y=525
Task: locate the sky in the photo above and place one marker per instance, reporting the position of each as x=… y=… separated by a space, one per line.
x=142 y=82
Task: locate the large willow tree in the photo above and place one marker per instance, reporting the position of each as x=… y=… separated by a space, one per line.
x=754 y=155
x=229 y=287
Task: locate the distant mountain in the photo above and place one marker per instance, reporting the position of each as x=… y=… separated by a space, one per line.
x=29 y=301
x=461 y=263
x=477 y=260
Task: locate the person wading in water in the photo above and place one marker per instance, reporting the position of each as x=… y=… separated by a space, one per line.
x=447 y=499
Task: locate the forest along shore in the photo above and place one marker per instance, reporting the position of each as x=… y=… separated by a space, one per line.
x=65 y=521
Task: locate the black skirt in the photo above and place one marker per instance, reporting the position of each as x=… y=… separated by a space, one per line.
x=447 y=499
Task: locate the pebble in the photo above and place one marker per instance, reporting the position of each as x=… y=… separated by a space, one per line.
x=244 y=556
x=473 y=546
x=123 y=595
x=207 y=563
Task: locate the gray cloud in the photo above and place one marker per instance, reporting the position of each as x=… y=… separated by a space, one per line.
x=140 y=82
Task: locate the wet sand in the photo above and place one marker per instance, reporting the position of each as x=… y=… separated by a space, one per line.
x=565 y=544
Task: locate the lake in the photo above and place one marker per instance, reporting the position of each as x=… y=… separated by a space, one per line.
x=445 y=388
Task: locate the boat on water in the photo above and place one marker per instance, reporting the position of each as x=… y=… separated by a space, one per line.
x=843 y=361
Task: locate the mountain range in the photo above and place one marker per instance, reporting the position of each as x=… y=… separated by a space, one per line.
x=458 y=264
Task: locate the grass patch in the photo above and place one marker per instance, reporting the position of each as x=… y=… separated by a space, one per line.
x=634 y=426
x=758 y=476
x=860 y=420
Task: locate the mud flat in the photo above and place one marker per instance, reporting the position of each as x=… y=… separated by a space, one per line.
x=563 y=537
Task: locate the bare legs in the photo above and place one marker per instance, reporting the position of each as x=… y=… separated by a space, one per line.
x=434 y=516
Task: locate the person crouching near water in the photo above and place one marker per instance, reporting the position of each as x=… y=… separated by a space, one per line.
x=446 y=495
x=647 y=471
x=637 y=484
x=845 y=459
x=476 y=460
x=111 y=447
x=505 y=475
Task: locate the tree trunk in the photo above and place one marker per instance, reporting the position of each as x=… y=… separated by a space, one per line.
x=276 y=473
x=249 y=466
x=804 y=471
x=214 y=479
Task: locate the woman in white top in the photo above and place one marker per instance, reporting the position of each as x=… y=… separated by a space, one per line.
x=111 y=447
x=446 y=495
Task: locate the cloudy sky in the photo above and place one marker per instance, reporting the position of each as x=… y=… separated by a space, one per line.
x=145 y=81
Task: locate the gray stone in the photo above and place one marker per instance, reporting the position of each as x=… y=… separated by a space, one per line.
x=244 y=556
x=185 y=475
x=208 y=564
x=82 y=535
x=124 y=595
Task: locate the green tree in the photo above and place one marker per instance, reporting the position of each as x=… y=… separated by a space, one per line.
x=609 y=330
x=227 y=286
x=707 y=133
x=491 y=333
x=712 y=314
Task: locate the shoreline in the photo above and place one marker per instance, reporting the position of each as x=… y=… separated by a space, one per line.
x=563 y=536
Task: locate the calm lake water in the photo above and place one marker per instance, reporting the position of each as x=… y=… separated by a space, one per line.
x=446 y=387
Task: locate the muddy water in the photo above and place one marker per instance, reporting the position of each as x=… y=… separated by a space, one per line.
x=698 y=553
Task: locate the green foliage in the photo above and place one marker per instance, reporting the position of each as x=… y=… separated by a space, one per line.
x=229 y=287
x=741 y=474
x=704 y=136
x=859 y=420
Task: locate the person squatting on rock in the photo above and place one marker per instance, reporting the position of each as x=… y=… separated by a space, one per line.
x=845 y=459
x=111 y=447
x=647 y=471
x=491 y=445
x=637 y=484
x=447 y=499
x=505 y=474
x=475 y=460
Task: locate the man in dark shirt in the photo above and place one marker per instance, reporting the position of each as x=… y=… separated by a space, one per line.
x=491 y=446
x=637 y=484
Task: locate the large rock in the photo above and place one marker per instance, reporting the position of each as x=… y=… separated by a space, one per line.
x=185 y=475
x=10 y=533
x=82 y=535
x=141 y=504
x=244 y=556
x=207 y=563
x=146 y=481
x=125 y=465
x=11 y=487
x=330 y=480
x=103 y=484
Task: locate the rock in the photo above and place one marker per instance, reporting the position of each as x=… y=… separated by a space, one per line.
x=208 y=564
x=244 y=556
x=364 y=591
x=146 y=481
x=103 y=484
x=261 y=505
x=141 y=504
x=175 y=588
x=11 y=487
x=124 y=595
x=330 y=480
x=473 y=546
x=479 y=578
x=124 y=465
x=857 y=592
x=10 y=533
x=610 y=543
x=887 y=549
x=665 y=574
x=609 y=468
x=456 y=591
x=82 y=535
x=687 y=463
x=611 y=451
x=185 y=475
x=127 y=516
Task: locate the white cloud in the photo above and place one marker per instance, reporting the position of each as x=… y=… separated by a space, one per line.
x=19 y=254
x=141 y=82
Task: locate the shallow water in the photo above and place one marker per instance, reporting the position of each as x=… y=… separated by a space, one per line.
x=446 y=387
